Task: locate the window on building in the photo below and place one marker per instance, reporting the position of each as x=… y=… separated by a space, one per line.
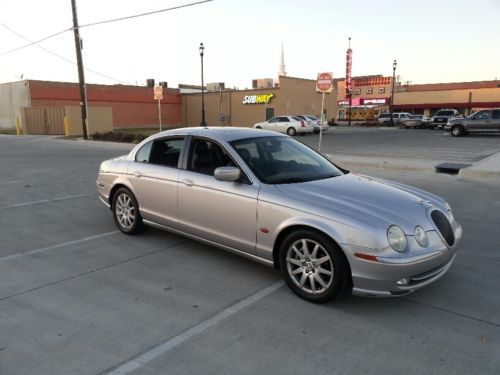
x=369 y=90
x=381 y=90
x=357 y=91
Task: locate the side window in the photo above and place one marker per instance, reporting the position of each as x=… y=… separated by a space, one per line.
x=274 y=119
x=484 y=115
x=284 y=119
x=166 y=151
x=206 y=156
x=142 y=156
x=495 y=114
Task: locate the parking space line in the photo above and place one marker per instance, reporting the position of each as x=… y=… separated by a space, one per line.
x=42 y=201
x=163 y=348
x=10 y=182
x=44 y=249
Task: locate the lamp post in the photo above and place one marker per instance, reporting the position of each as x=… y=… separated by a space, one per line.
x=394 y=65
x=202 y=123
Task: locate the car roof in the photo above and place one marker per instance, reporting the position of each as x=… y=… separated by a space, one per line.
x=227 y=133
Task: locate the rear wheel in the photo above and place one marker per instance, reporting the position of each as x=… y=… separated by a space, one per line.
x=291 y=131
x=457 y=131
x=126 y=212
x=313 y=266
x=258 y=127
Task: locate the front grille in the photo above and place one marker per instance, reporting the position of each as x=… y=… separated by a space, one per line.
x=444 y=226
x=424 y=276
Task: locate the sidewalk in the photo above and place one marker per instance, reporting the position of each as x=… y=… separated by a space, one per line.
x=484 y=169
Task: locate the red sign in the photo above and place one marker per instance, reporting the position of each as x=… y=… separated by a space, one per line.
x=324 y=82
x=348 y=68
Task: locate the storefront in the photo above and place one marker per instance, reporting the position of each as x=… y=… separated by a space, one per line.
x=294 y=96
x=362 y=109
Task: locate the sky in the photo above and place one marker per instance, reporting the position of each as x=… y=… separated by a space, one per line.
x=432 y=40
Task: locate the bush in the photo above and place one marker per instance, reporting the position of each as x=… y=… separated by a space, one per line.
x=119 y=137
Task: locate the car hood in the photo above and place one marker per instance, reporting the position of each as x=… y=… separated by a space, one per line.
x=372 y=201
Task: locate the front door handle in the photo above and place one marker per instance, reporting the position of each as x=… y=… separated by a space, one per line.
x=187 y=182
x=137 y=174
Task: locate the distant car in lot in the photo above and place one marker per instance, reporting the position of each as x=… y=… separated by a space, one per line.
x=315 y=121
x=274 y=200
x=441 y=117
x=290 y=125
x=486 y=121
x=417 y=122
x=398 y=118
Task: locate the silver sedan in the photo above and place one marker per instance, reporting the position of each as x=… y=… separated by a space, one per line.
x=272 y=199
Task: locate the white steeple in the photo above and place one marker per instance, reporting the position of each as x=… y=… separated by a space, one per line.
x=282 y=71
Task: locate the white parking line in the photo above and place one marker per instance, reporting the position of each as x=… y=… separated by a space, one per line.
x=10 y=182
x=44 y=201
x=161 y=349
x=44 y=249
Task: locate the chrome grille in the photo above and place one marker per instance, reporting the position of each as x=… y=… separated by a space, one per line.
x=444 y=226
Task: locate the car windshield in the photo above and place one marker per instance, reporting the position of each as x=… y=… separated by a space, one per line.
x=283 y=160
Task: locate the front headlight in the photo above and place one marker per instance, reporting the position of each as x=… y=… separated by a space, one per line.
x=396 y=238
x=421 y=236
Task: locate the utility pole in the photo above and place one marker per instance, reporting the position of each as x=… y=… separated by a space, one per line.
x=81 y=76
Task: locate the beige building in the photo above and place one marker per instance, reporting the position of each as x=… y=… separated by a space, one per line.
x=293 y=96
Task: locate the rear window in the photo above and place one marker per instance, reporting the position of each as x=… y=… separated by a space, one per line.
x=496 y=114
x=297 y=118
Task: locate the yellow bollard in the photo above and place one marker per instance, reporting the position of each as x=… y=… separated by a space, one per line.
x=18 y=126
x=66 y=126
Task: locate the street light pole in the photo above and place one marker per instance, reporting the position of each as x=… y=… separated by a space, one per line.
x=202 y=53
x=394 y=65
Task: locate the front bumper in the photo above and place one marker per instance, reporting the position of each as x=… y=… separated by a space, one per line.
x=399 y=274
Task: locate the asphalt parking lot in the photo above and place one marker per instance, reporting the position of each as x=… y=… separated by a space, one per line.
x=406 y=143
x=77 y=296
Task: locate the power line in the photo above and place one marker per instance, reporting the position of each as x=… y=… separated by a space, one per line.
x=59 y=56
x=36 y=42
x=144 y=14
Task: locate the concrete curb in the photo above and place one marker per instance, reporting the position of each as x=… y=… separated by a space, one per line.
x=487 y=168
x=403 y=165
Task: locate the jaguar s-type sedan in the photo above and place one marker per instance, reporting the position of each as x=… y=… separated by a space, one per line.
x=272 y=199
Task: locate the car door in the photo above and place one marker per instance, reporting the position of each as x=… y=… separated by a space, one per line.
x=284 y=124
x=272 y=124
x=217 y=211
x=479 y=122
x=495 y=119
x=154 y=175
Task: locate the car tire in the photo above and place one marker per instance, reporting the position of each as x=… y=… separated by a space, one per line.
x=126 y=212
x=313 y=266
x=291 y=131
x=457 y=131
x=258 y=127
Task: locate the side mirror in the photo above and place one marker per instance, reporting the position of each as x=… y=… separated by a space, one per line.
x=227 y=174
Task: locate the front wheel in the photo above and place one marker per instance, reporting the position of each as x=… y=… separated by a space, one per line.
x=313 y=266
x=291 y=131
x=126 y=212
x=457 y=131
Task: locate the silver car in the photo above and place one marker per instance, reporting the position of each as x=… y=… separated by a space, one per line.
x=486 y=121
x=274 y=200
x=290 y=125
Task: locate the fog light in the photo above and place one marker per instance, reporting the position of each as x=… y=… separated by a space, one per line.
x=404 y=281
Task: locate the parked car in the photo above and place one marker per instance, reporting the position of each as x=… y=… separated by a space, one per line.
x=290 y=125
x=441 y=117
x=417 y=122
x=398 y=118
x=486 y=121
x=315 y=121
x=274 y=200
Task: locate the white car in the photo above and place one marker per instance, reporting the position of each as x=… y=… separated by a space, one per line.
x=397 y=117
x=290 y=125
x=315 y=121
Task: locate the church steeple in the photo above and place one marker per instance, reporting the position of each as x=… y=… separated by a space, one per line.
x=282 y=71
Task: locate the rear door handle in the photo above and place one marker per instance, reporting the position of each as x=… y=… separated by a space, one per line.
x=137 y=174
x=188 y=182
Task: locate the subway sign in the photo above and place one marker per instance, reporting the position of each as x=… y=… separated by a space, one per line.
x=258 y=99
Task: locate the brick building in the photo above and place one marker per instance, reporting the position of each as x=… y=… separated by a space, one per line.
x=129 y=106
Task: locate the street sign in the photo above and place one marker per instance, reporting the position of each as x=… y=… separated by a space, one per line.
x=324 y=82
x=158 y=92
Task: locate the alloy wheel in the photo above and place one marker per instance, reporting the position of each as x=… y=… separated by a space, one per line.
x=125 y=211
x=310 y=266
